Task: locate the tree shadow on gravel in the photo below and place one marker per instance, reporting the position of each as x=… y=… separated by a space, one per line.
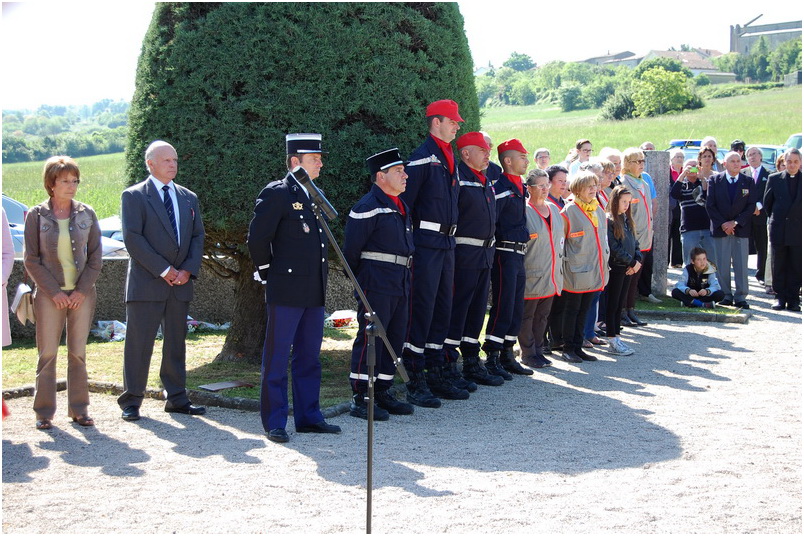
x=19 y=462
x=96 y=449
x=534 y=427
x=196 y=438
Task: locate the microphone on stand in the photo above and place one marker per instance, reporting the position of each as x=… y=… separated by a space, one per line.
x=316 y=195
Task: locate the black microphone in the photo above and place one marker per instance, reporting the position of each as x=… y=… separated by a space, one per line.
x=300 y=174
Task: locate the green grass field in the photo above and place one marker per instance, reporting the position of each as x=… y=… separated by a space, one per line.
x=102 y=182
x=766 y=117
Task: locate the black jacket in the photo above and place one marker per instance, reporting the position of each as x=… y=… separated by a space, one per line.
x=288 y=247
x=624 y=252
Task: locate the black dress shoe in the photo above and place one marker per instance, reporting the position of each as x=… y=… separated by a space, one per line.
x=726 y=303
x=278 y=435
x=635 y=319
x=187 y=409
x=570 y=357
x=625 y=321
x=777 y=306
x=537 y=361
x=796 y=308
x=319 y=428
x=742 y=305
x=583 y=355
x=131 y=413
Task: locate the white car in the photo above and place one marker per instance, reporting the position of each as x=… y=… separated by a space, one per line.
x=15 y=211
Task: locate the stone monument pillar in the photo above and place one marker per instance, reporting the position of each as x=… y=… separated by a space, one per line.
x=657 y=165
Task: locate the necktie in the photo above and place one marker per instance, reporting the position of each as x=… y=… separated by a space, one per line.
x=169 y=207
x=756 y=174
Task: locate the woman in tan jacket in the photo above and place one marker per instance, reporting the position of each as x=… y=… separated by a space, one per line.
x=63 y=257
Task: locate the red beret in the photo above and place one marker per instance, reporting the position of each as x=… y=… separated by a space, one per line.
x=511 y=145
x=472 y=138
x=447 y=108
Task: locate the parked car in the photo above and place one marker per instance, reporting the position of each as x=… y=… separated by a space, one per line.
x=111 y=227
x=769 y=154
x=15 y=211
x=691 y=149
x=794 y=141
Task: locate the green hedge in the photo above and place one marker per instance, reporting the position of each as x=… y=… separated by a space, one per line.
x=224 y=83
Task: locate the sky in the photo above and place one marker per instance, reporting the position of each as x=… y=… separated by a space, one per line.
x=62 y=53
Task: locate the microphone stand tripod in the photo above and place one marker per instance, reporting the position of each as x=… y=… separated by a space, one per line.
x=374 y=329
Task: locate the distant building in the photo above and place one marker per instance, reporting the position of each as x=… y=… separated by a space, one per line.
x=697 y=61
x=600 y=60
x=743 y=38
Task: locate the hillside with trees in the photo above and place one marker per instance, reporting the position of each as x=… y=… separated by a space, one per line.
x=656 y=86
x=32 y=135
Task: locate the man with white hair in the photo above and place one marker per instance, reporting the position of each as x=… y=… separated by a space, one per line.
x=164 y=236
x=730 y=203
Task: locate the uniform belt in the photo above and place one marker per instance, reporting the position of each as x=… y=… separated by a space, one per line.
x=387 y=257
x=515 y=247
x=442 y=228
x=466 y=241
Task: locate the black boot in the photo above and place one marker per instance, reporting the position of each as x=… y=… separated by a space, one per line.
x=442 y=387
x=452 y=374
x=493 y=365
x=474 y=370
x=418 y=392
x=388 y=402
x=509 y=363
x=359 y=408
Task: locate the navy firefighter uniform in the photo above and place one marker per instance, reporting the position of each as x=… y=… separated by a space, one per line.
x=508 y=270
x=378 y=247
x=474 y=253
x=432 y=195
x=289 y=250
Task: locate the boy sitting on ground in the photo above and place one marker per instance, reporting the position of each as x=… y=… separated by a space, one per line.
x=698 y=285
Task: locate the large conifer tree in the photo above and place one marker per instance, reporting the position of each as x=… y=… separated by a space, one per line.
x=224 y=82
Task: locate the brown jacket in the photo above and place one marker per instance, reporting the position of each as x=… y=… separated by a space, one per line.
x=41 y=248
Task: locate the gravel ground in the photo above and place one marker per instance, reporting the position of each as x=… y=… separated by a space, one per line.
x=698 y=431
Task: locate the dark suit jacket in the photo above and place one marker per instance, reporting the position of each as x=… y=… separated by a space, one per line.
x=784 y=211
x=151 y=245
x=721 y=208
x=760 y=185
x=287 y=246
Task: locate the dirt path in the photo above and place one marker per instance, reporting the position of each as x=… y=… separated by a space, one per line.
x=699 y=431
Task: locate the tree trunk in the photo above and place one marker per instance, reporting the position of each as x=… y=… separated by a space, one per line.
x=247 y=332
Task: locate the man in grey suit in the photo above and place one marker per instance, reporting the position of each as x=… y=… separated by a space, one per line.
x=164 y=235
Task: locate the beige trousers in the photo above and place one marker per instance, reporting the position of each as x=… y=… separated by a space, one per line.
x=50 y=323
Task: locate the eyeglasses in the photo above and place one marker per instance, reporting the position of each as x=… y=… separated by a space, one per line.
x=637 y=161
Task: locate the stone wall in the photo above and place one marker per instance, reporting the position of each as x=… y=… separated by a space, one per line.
x=213 y=302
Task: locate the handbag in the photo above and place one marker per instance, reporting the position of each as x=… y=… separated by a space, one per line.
x=22 y=305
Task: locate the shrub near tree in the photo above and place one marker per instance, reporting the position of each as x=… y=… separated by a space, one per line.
x=224 y=83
